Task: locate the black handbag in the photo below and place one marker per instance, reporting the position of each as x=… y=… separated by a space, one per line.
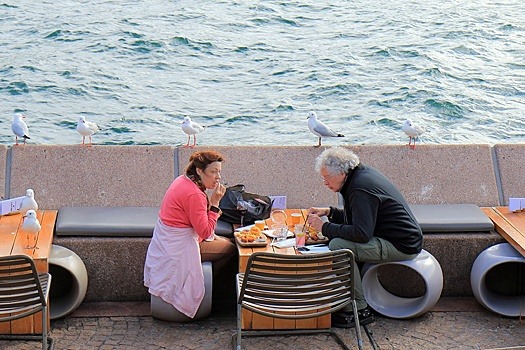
x=244 y=208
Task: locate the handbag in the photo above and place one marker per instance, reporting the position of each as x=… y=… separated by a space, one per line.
x=244 y=208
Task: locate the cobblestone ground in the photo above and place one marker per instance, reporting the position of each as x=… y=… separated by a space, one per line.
x=434 y=330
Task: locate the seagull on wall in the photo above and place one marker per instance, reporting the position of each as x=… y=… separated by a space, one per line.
x=191 y=128
x=86 y=129
x=19 y=128
x=320 y=129
x=413 y=131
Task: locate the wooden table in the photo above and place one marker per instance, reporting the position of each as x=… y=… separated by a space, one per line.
x=510 y=225
x=13 y=241
x=251 y=320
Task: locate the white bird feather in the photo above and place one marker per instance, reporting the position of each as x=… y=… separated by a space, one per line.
x=413 y=131
x=319 y=128
x=29 y=202
x=86 y=129
x=191 y=128
x=19 y=128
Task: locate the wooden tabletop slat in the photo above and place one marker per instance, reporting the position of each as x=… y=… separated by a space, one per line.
x=510 y=225
x=9 y=225
x=45 y=238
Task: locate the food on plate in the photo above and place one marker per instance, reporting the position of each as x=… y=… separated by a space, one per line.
x=314 y=235
x=255 y=230
x=251 y=235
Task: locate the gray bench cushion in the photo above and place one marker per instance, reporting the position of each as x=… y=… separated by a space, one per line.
x=114 y=222
x=451 y=218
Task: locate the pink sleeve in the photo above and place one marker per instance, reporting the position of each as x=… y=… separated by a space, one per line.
x=202 y=220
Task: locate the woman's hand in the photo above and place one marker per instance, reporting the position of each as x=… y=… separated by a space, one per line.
x=216 y=194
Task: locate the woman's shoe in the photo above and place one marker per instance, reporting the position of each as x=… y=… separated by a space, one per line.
x=345 y=319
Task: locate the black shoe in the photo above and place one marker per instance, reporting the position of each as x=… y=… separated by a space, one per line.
x=345 y=319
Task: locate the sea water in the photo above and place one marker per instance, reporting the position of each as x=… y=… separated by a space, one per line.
x=250 y=71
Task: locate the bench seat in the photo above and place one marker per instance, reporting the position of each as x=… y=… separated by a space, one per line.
x=452 y=218
x=115 y=222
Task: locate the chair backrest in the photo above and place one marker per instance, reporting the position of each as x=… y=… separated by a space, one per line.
x=21 y=291
x=297 y=286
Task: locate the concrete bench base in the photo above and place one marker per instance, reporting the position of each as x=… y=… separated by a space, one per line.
x=120 y=261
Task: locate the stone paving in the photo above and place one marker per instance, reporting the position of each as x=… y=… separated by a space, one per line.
x=478 y=329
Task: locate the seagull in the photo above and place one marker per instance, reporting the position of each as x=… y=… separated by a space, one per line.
x=19 y=128
x=413 y=131
x=31 y=226
x=86 y=129
x=191 y=128
x=29 y=202
x=320 y=129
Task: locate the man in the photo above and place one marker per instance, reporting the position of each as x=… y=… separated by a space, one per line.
x=375 y=223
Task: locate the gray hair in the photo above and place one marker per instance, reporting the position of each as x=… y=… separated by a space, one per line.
x=336 y=160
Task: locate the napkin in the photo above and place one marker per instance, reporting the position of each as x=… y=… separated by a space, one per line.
x=315 y=249
x=271 y=233
x=287 y=243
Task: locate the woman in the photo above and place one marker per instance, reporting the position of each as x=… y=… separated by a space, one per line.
x=184 y=235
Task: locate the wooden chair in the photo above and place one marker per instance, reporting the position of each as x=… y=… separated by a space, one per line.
x=23 y=292
x=297 y=287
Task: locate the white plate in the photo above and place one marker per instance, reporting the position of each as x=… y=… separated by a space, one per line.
x=271 y=233
x=245 y=228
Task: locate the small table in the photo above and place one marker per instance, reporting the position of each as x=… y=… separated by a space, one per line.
x=12 y=242
x=251 y=320
x=510 y=225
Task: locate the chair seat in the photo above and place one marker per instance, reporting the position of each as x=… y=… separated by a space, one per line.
x=166 y=312
x=487 y=260
x=388 y=304
x=24 y=293
x=296 y=287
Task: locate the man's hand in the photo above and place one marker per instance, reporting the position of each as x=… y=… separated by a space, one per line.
x=319 y=211
x=316 y=222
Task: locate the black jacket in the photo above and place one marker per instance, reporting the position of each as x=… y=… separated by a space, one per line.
x=373 y=206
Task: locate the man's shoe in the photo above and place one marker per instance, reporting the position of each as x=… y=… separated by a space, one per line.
x=345 y=319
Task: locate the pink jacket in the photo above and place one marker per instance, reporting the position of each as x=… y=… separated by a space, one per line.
x=173 y=270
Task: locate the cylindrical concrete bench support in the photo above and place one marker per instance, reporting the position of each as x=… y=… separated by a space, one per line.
x=388 y=304
x=506 y=305
x=166 y=312
x=69 y=281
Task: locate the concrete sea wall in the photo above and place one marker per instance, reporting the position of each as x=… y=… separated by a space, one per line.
x=72 y=175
